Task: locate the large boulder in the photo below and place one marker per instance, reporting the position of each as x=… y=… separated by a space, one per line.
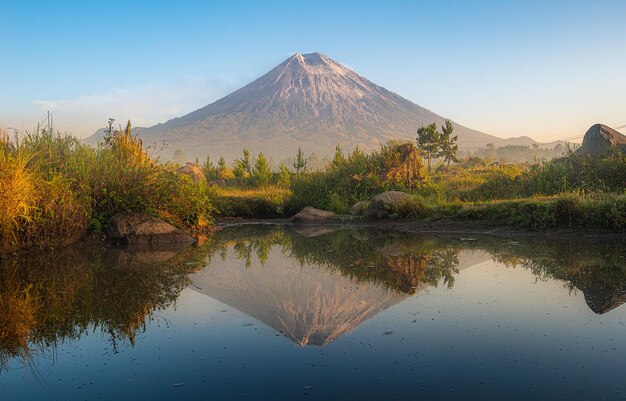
x=192 y=171
x=312 y=215
x=380 y=204
x=601 y=140
x=143 y=229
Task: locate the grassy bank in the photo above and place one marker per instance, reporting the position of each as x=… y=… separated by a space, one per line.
x=265 y=202
x=557 y=211
x=572 y=191
x=55 y=189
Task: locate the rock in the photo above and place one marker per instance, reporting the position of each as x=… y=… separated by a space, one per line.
x=312 y=215
x=192 y=171
x=379 y=205
x=600 y=140
x=310 y=232
x=359 y=208
x=143 y=229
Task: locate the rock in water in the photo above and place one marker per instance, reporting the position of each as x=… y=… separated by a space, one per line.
x=312 y=215
x=380 y=204
x=143 y=229
x=600 y=140
x=192 y=171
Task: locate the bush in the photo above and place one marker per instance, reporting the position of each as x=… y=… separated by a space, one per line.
x=349 y=179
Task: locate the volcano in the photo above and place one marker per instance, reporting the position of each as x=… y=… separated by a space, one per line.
x=308 y=101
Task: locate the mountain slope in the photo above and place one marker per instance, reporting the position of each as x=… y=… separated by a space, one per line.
x=307 y=101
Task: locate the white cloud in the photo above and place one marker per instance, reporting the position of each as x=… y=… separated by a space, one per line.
x=144 y=105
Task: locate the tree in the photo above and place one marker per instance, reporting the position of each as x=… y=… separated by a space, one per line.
x=449 y=147
x=284 y=176
x=261 y=173
x=222 y=169
x=403 y=164
x=242 y=167
x=210 y=171
x=300 y=164
x=429 y=141
x=338 y=159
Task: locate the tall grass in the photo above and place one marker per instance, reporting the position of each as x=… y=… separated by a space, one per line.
x=558 y=211
x=52 y=188
x=266 y=202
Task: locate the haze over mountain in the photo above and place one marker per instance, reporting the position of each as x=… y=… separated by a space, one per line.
x=308 y=101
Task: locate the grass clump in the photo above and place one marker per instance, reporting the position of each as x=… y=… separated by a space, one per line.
x=264 y=202
x=52 y=188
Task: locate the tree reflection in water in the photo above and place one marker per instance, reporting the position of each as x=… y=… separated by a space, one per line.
x=46 y=299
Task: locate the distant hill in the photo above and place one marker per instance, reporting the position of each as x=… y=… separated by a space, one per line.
x=307 y=101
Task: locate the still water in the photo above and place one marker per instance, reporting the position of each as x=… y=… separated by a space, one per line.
x=268 y=312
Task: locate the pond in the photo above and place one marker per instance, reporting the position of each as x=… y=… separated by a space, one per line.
x=272 y=312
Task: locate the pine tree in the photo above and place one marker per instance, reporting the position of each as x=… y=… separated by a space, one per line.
x=210 y=171
x=284 y=176
x=242 y=168
x=300 y=164
x=261 y=173
x=222 y=169
x=339 y=159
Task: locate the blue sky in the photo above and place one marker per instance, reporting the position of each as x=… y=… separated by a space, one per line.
x=547 y=69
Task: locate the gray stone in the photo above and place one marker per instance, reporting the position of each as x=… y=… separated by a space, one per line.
x=380 y=204
x=143 y=229
x=600 y=140
x=359 y=208
x=312 y=215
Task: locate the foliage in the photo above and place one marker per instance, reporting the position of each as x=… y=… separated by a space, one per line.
x=449 y=147
x=211 y=172
x=241 y=168
x=577 y=172
x=265 y=202
x=261 y=174
x=565 y=210
x=429 y=141
x=300 y=163
x=347 y=180
x=284 y=176
x=53 y=187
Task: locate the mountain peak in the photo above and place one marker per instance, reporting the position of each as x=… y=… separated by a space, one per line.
x=312 y=59
x=308 y=101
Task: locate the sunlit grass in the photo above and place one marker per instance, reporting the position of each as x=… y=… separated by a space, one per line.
x=52 y=188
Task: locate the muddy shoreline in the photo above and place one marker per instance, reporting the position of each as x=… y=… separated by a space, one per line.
x=443 y=227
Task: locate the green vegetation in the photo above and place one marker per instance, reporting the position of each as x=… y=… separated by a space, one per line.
x=570 y=191
x=267 y=202
x=54 y=188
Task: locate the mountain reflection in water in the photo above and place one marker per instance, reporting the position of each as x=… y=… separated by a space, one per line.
x=315 y=285
x=311 y=284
